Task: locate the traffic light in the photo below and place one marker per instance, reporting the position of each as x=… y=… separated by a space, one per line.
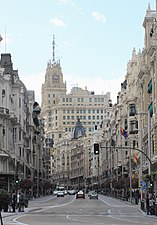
x=17 y=179
x=151 y=186
x=96 y=148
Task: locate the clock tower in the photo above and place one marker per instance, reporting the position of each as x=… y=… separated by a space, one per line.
x=52 y=90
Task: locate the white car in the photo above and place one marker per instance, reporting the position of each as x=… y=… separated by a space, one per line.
x=55 y=192
x=60 y=194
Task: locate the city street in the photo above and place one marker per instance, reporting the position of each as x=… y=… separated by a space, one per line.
x=69 y=210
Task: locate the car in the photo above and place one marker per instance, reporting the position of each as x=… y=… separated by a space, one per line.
x=71 y=192
x=80 y=194
x=93 y=195
x=89 y=193
x=60 y=194
x=55 y=192
x=65 y=192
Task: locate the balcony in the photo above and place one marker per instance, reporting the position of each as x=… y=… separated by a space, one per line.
x=13 y=118
x=4 y=111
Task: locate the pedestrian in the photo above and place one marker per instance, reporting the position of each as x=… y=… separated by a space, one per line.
x=13 y=202
x=147 y=204
x=21 y=202
x=152 y=204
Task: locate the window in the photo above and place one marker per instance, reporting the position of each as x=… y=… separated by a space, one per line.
x=133 y=127
x=48 y=95
x=19 y=102
x=53 y=95
x=132 y=110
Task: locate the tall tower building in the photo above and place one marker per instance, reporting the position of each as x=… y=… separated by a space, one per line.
x=61 y=110
x=51 y=90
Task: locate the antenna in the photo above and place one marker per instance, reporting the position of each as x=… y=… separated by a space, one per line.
x=53 y=49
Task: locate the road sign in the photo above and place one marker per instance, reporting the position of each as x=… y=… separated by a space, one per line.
x=144 y=186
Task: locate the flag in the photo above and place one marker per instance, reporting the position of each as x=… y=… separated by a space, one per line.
x=123 y=133
x=136 y=157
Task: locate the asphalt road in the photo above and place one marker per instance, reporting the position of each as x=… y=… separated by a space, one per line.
x=71 y=211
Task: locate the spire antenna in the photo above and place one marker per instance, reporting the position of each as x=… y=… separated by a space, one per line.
x=53 y=49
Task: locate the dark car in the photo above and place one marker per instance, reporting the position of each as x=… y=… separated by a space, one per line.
x=93 y=195
x=80 y=194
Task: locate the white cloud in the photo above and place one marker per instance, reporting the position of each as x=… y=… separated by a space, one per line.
x=99 y=17
x=57 y=22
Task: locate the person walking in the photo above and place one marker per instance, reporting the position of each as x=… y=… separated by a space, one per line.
x=21 y=202
x=13 y=202
x=147 y=204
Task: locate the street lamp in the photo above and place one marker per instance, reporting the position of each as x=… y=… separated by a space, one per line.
x=149 y=142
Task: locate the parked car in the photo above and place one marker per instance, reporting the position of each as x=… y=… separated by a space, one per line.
x=93 y=195
x=80 y=194
x=60 y=194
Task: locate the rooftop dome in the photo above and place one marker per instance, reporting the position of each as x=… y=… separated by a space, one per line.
x=78 y=131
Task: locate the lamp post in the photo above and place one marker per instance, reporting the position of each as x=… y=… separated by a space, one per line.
x=149 y=142
x=130 y=172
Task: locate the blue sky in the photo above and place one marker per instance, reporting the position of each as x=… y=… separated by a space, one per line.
x=94 y=40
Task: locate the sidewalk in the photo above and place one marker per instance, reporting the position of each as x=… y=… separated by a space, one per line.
x=43 y=198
